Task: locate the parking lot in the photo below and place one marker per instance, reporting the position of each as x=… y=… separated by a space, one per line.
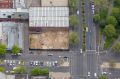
x=29 y=64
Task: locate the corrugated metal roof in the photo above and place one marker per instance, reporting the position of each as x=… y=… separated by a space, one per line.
x=49 y=17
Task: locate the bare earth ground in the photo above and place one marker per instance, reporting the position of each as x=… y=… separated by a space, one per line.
x=50 y=39
x=54 y=2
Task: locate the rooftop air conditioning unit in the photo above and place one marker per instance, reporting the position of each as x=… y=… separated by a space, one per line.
x=18 y=9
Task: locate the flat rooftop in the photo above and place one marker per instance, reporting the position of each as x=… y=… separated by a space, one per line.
x=12 y=33
x=54 y=2
x=49 y=17
x=50 y=38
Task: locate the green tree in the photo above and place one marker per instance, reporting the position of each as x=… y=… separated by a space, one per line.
x=2 y=49
x=38 y=71
x=2 y=69
x=15 y=49
x=109 y=31
x=103 y=13
x=103 y=77
x=116 y=12
x=111 y=20
x=102 y=23
x=117 y=2
x=96 y=18
x=74 y=39
x=73 y=21
x=116 y=47
x=20 y=70
x=72 y=4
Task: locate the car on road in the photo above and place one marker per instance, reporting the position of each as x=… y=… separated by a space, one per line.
x=80 y=50
x=88 y=74
x=86 y=29
x=95 y=74
x=93 y=7
x=77 y=12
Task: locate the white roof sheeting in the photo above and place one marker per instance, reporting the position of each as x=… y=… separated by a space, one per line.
x=14 y=10
x=49 y=17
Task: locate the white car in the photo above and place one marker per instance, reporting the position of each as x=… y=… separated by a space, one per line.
x=95 y=74
x=80 y=50
x=93 y=11
x=88 y=74
x=93 y=6
x=86 y=29
x=77 y=12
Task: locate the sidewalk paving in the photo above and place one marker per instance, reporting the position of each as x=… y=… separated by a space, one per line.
x=106 y=65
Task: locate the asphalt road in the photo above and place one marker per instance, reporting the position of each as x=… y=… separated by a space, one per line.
x=78 y=66
x=92 y=57
x=78 y=61
x=27 y=58
x=91 y=34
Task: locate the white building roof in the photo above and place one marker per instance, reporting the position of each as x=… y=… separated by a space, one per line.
x=14 y=10
x=49 y=17
x=0 y=31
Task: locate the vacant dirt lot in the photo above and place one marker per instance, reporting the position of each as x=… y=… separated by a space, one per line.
x=54 y=2
x=50 y=39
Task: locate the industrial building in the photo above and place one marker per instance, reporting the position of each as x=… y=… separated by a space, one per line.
x=49 y=28
x=48 y=23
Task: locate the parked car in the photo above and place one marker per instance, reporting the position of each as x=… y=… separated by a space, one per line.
x=56 y=63
x=50 y=54
x=78 y=12
x=31 y=62
x=88 y=74
x=41 y=63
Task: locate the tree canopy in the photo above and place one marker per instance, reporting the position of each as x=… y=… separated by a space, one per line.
x=111 y=20
x=38 y=71
x=116 y=12
x=73 y=20
x=117 y=2
x=116 y=47
x=74 y=38
x=96 y=18
x=103 y=77
x=72 y=5
x=20 y=70
x=2 y=69
x=109 y=30
x=15 y=49
x=2 y=49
